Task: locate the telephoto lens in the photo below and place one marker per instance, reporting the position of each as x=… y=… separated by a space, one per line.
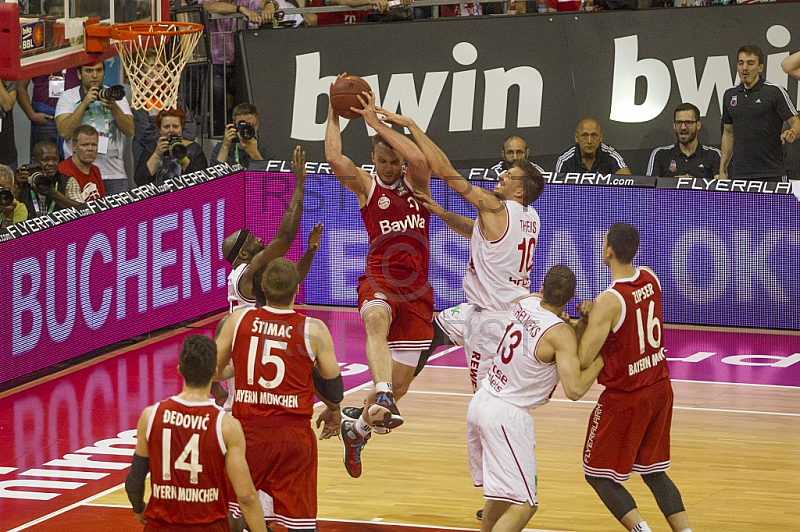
x=176 y=147
x=116 y=93
x=6 y=197
x=37 y=178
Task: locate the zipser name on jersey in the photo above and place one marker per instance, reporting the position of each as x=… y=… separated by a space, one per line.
x=266 y=398
x=412 y=221
x=179 y=493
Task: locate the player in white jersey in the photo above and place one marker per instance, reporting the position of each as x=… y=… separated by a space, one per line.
x=502 y=242
x=537 y=349
x=247 y=253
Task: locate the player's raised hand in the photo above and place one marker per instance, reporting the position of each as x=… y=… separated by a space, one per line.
x=315 y=236
x=367 y=100
x=394 y=118
x=332 y=420
x=299 y=166
x=429 y=203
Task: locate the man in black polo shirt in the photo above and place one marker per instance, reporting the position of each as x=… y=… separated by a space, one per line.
x=687 y=157
x=514 y=148
x=753 y=114
x=590 y=154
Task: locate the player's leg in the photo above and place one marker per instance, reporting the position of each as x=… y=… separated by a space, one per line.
x=492 y=512
x=618 y=500
x=376 y=318
x=440 y=338
x=514 y=518
x=404 y=364
x=669 y=500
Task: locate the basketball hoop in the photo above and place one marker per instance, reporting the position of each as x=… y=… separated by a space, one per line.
x=153 y=55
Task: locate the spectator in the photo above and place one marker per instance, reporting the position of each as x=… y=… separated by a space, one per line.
x=514 y=148
x=170 y=155
x=343 y=17
x=222 y=31
x=111 y=119
x=254 y=148
x=79 y=165
x=753 y=113
x=146 y=131
x=8 y=147
x=47 y=89
x=687 y=157
x=461 y=10
x=563 y=5
x=59 y=191
x=15 y=211
x=590 y=154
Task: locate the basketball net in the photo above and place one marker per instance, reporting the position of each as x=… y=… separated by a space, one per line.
x=154 y=61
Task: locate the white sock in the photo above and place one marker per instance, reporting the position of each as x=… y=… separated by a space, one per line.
x=641 y=527
x=383 y=387
x=362 y=427
x=686 y=530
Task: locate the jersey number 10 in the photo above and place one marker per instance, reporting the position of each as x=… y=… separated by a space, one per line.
x=527 y=247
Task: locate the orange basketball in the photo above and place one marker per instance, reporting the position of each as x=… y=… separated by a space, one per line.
x=344 y=95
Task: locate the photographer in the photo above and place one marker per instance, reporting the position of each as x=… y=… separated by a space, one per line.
x=11 y=210
x=107 y=110
x=171 y=155
x=242 y=142
x=41 y=187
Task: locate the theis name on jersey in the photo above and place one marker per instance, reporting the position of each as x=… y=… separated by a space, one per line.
x=271 y=328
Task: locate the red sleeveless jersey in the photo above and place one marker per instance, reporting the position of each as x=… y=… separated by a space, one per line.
x=272 y=363
x=634 y=351
x=397 y=226
x=187 y=463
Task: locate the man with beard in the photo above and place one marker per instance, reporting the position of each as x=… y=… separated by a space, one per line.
x=687 y=157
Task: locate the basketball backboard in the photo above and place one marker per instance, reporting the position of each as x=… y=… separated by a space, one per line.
x=45 y=36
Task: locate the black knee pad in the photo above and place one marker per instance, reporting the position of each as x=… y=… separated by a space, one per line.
x=613 y=494
x=665 y=492
x=440 y=338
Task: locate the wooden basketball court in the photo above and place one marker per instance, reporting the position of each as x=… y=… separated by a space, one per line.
x=734 y=444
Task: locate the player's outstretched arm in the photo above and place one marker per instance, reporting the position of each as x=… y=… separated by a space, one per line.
x=307 y=258
x=224 y=342
x=440 y=164
x=576 y=382
x=419 y=173
x=459 y=224
x=791 y=65
x=328 y=382
x=239 y=474
x=606 y=311
x=134 y=482
x=347 y=173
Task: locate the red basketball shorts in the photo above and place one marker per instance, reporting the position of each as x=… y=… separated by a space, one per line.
x=410 y=311
x=629 y=432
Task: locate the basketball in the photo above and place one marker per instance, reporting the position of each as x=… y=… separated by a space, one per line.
x=344 y=95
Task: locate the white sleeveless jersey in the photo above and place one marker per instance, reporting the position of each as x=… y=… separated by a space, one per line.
x=517 y=376
x=499 y=272
x=235 y=298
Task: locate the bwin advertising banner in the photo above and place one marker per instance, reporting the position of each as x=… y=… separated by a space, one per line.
x=472 y=82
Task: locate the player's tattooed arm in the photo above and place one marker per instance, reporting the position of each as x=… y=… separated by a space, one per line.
x=459 y=224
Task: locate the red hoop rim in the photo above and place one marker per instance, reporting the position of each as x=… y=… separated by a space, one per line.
x=170 y=28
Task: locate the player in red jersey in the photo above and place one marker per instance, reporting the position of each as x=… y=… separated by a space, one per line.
x=279 y=357
x=394 y=296
x=188 y=444
x=629 y=428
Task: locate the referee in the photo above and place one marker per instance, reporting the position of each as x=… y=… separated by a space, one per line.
x=753 y=114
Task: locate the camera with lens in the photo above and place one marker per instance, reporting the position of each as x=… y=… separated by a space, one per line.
x=37 y=179
x=116 y=93
x=245 y=129
x=176 y=147
x=6 y=197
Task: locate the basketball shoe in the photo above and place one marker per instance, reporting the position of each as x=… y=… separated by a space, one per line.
x=353 y=445
x=384 y=412
x=351 y=413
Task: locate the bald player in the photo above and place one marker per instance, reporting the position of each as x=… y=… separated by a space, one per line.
x=590 y=155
